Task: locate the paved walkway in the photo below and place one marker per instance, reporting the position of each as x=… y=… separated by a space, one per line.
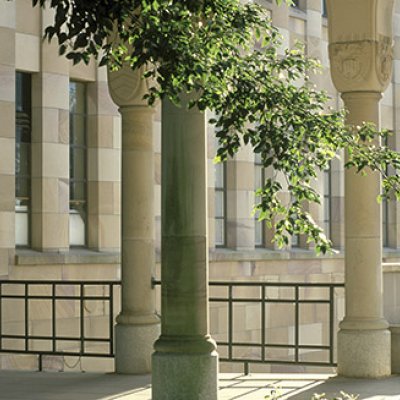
x=88 y=386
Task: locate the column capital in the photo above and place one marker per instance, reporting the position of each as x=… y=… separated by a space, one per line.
x=127 y=87
x=360 y=44
x=361 y=65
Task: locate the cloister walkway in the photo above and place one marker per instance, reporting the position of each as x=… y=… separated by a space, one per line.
x=17 y=385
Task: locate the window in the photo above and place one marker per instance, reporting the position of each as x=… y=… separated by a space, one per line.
x=259 y=178
x=295 y=242
x=220 y=205
x=77 y=164
x=327 y=202
x=23 y=129
x=295 y=238
x=324 y=9
x=385 y=224
x=385 y=208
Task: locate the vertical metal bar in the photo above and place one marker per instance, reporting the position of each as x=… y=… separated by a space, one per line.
x=53 y=317
x=263 y=323
x=40 y=362
x=230 y=322
x=331 y=322
x=111 y=317
x=26 y=317
x=296 y=325
x=82 y=318
x=246 y=368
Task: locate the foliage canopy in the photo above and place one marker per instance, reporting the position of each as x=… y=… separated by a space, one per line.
x=228 y=53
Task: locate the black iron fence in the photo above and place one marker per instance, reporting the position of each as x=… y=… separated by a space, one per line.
x=40 y=316
x=270 y=340
x=33 y=321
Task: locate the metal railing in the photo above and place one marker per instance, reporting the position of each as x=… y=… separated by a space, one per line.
x=51 y=294
x=263 y=294
x=226 y=297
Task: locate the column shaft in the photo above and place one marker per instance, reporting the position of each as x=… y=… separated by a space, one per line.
x=363 y=227
x=138 y=256
x=185 y=363
x=364 y=340
x=137 y=324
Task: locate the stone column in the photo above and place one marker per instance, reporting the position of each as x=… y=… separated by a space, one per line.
x=137 y=324
x=361 y=61
x=185 y=364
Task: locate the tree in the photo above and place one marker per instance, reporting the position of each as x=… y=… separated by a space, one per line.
x=225 y=52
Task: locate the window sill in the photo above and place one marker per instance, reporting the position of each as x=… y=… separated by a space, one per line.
x=74 y=256
x=225 y=254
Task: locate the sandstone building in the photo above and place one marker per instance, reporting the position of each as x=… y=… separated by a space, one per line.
x=60 y=178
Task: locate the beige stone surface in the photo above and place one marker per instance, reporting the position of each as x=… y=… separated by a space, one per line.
x=27 y=52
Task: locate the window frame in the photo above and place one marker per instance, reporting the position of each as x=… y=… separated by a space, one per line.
x=327 y=196
x=259 y=165
x=221 y=189
x=85 y=148
x=25 y=78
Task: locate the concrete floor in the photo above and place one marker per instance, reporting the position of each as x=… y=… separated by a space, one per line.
x=17 y=385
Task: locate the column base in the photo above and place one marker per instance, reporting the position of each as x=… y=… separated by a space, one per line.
x=185 y=376
x=395 y=350
x=134 y=347
x=364 y=353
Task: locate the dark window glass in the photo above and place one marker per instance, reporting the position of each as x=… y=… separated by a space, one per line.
x=385 y=209
x=259 y=179
x=23 y=133
x=324 y=9
x=77 y=163
x=328 y=202
x=220 y=205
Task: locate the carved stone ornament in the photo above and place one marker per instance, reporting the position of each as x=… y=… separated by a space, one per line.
x=385 y=60
x=127 y=87
x=363 y=65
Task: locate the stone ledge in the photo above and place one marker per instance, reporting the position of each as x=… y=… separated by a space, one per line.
x=75 y=256
x=85 y=256
x=265 y=255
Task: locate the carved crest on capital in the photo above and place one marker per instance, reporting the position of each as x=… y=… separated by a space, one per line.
x=385 y=61
x=127 y=87
x=361 y=65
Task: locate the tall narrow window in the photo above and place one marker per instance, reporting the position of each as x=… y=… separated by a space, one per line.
x=385 y=209
x=385 y=225
x=77 y=164
x=328 y=202
x=220 y=205
x=324 y=8
x=259 y=178
x=23 y=124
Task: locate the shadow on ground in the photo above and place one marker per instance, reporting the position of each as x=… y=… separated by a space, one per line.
x=18 y=385
x=304 y=386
